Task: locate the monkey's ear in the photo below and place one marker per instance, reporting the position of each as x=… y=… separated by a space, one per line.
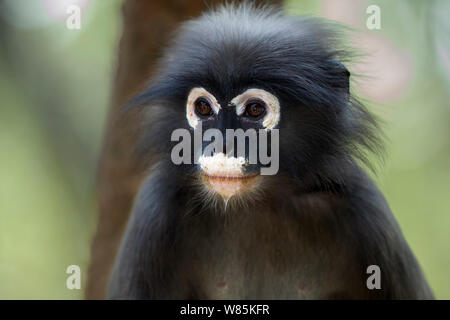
x=338 y=76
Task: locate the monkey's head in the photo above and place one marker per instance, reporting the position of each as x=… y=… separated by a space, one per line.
x=278 y=79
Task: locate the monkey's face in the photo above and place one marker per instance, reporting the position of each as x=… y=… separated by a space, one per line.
x=234 y=135
x=284 y=91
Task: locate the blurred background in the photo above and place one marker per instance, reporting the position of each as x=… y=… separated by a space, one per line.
x=55 y=89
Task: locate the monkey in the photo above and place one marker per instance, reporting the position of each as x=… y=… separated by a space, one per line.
x=214 y=226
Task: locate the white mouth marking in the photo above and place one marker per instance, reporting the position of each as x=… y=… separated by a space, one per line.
x=220 y=165
x=224 y=176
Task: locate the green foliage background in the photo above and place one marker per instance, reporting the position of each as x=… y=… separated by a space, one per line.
x=54 y=93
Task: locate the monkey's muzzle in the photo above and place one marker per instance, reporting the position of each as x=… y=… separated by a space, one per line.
x=225 y=175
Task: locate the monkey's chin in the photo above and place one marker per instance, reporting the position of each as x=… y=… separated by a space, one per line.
x=230 y=186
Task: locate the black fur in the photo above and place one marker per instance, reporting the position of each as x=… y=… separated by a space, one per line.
x=315 y=227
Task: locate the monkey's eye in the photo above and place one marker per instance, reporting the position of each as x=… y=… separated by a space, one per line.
x=203 y=108
x=255 y=109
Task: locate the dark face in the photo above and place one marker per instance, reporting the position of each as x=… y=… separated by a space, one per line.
x=231 y=164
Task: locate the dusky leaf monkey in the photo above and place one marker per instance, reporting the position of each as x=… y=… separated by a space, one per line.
x=217 y=228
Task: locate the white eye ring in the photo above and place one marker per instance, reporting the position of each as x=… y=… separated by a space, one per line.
x=194 y=94
x=272 y=116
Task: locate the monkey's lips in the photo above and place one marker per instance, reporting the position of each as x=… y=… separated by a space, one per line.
x=229 y=186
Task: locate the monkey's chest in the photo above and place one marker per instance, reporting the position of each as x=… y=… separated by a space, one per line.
x=265 y=262
x=258 y=279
